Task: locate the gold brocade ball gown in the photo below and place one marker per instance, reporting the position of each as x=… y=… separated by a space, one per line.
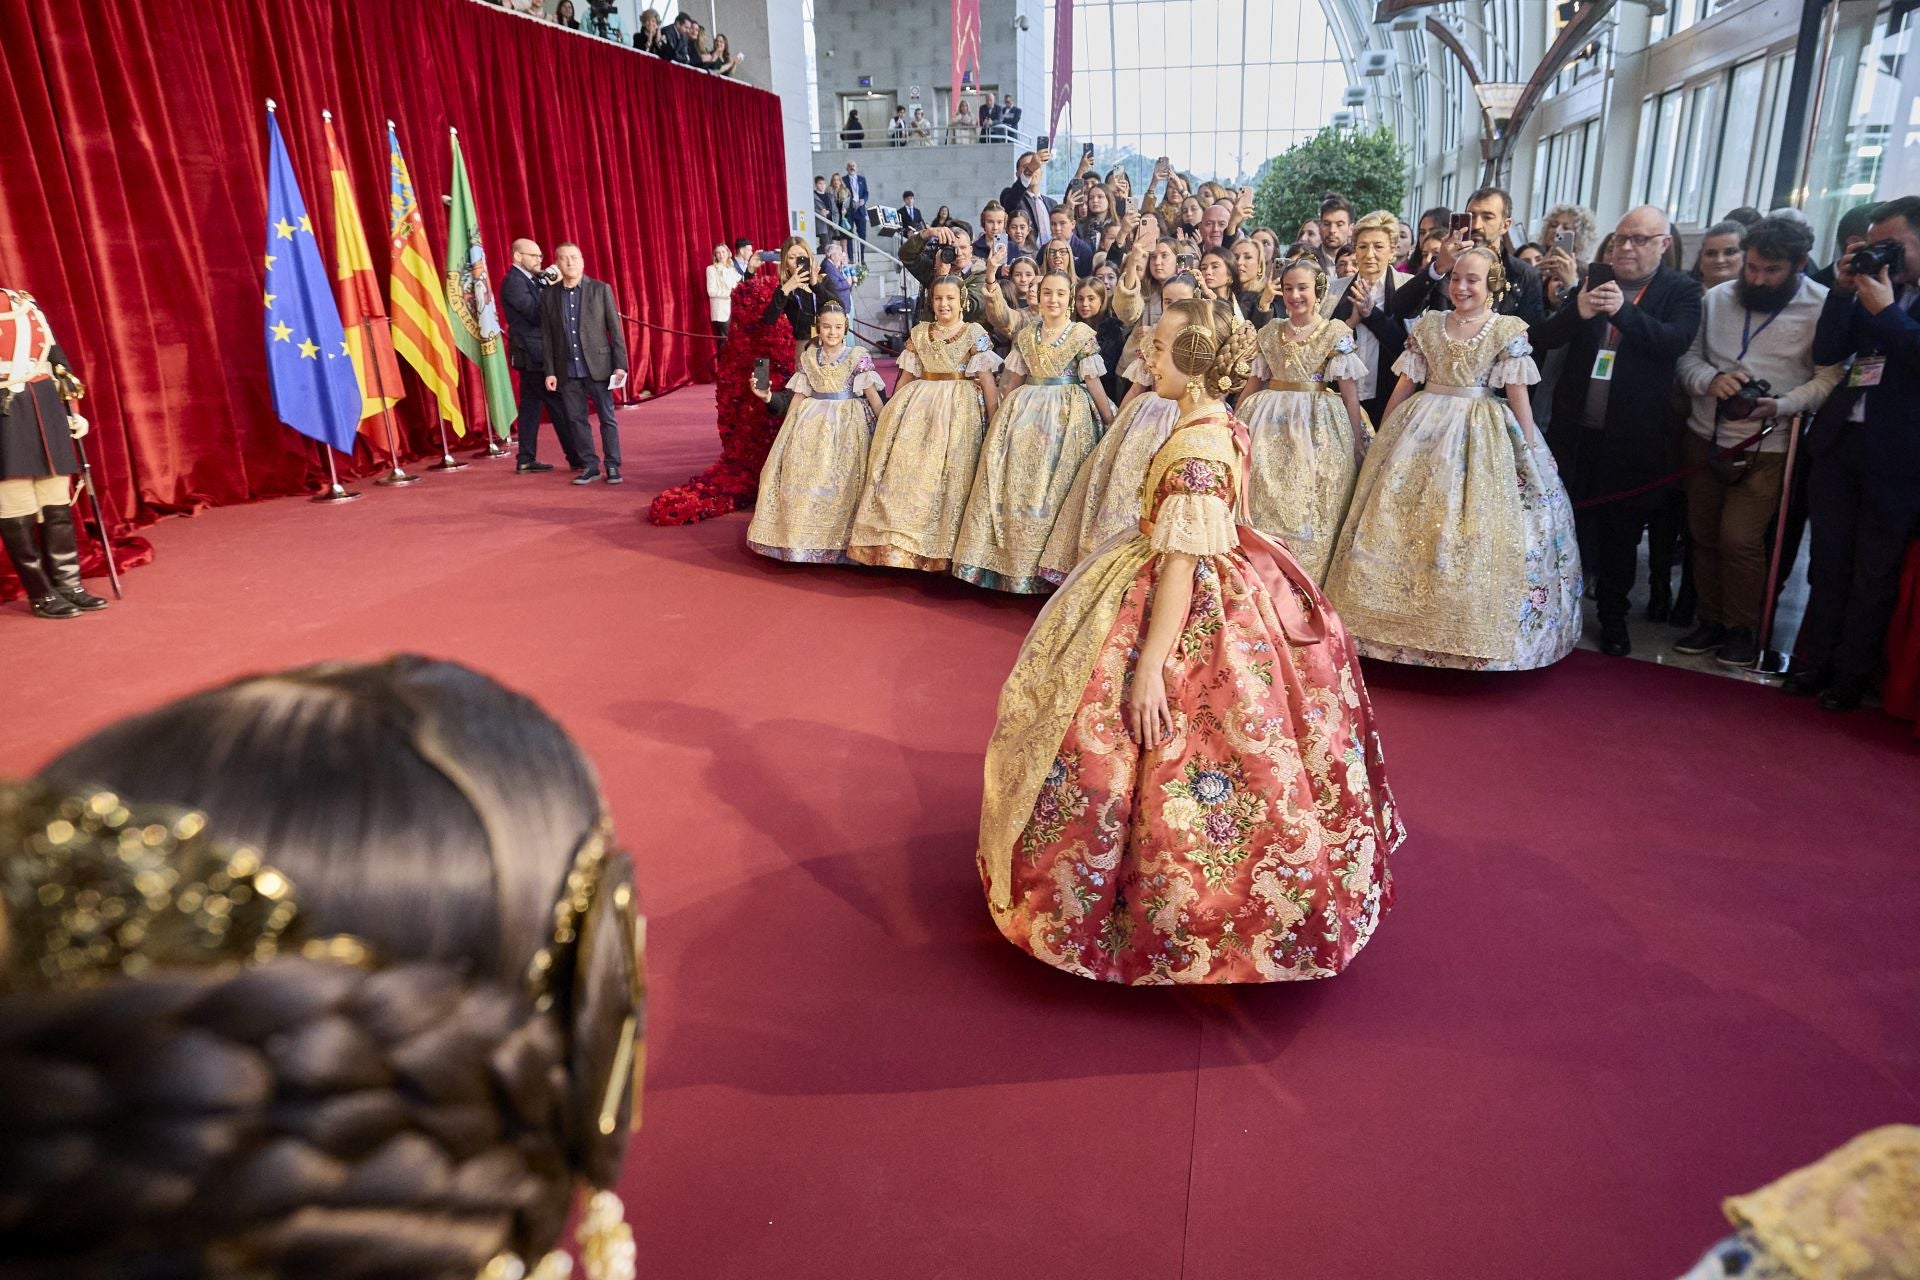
x=814 y=473
x=1254 y=845
x=1459 y=546
x=1303 y=455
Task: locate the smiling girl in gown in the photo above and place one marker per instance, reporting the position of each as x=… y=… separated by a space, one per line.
x=1184 y=784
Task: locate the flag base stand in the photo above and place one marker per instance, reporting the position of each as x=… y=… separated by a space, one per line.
x=448 y=463
x=335 y=491
x=494 y=452
x=398 y=476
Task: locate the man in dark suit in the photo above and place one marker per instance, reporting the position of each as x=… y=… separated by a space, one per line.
x=683 y=45
x=1492 y=211
x=1611 y=430
x=743 y=258
x=520 y=294
x=1060 y=223
x=1024 y=196
x=1864 y=496
x=1009 y=121
x=1850 y=235
x=857 y=208
x=911 y=219
x=586 y=357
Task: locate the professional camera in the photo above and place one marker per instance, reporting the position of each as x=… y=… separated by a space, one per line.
x=1742 y=403
x=1871 y=259
x=948 y=254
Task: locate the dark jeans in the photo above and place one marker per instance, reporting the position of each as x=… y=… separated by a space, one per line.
x=577 y=392
x=534 y=397
x=1859 y=543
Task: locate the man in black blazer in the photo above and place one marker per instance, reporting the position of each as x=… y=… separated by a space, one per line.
x=520 y=294
x=1864 y=494
x=1491 y=209
x=586 y=357
x=1025 y=196
x=1611 y=430
x=911 y=219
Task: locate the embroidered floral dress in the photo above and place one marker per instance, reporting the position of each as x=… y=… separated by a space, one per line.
x=1459 y=548
x=1305 y=458
x=1253 y=845
x=813 y=475
x=921 y=465
x=1044 y=430
x=1104 y=502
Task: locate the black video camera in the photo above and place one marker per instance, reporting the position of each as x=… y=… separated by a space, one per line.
x=1881 y=255
x=1741 y=404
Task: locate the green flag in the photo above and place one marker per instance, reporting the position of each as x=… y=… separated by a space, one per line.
x=470 y=307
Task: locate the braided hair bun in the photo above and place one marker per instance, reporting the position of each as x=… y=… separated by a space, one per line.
x=1212 y=346
x=411 y=1101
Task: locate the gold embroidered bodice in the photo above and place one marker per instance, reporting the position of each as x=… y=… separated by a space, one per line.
x=1304 y=361
x=948 y=355
x=824 y=375
x=1451 y=363
x=1055 y=359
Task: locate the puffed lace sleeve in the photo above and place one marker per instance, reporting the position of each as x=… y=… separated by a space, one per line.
x=1090 y=365
x=865 y=377
x=1343 y=361
x=984 y=358
x=798 y=382
x=1413 y=361
x=1195 y=516
x=1261 y=369
x=909 y=361
x=1514 y=364
x=1016 y=363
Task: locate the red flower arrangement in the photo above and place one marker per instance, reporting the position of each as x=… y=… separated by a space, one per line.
x=746 y=429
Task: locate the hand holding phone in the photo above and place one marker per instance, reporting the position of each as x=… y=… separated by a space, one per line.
x=1086 y=151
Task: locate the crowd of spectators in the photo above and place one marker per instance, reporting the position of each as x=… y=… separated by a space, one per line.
x=684 y=40
x=996 y=120
x=1671 y=388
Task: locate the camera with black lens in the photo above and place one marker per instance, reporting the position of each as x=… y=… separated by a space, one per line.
x=948 y=255
x=1881 y=255
x=1742 y=403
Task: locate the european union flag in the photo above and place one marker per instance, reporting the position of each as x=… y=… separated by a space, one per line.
x=315 y=390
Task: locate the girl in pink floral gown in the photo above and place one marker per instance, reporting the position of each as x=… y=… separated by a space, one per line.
x=1184 y=784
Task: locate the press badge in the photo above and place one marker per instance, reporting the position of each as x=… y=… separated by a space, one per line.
x=1867 y=372
x=1603 y=365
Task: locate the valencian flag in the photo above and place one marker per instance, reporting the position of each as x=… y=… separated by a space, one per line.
x=476 y=324
x=314 y=390
x=420 y=332
x=966 y=43
x=369 y=338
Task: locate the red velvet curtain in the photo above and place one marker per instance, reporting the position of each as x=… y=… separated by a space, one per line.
x=133 y=197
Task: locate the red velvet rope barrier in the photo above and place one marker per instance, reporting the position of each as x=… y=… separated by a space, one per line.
x=1676 y=476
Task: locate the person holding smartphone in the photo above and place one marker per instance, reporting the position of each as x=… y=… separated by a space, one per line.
x=1025 y=194
x=1488 y=218
x=802 y=290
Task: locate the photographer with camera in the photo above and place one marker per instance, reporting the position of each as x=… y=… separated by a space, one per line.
x=1864 y=495
x=1751 y=364
x=947 y=251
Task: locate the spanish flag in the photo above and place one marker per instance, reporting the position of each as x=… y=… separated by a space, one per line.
x=369 y=336
x=420 y=331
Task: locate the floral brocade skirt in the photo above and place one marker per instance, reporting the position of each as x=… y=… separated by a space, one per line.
x=1105 y=498
x=919 y=471
x=1301 y=472
x=1252 y=847
x=811 y=482
x=1034 y=448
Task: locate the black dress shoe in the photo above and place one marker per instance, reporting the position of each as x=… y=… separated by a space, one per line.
x=1845 y=693
x=1806 y=682
x=1742 y=648
x=1615 y=642
x=588 y=476
x=1704 y=638
x=525 y=468
x=613 y=475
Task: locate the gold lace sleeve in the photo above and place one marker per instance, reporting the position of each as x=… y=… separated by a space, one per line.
x=1854 y=1214
x=1193 y=524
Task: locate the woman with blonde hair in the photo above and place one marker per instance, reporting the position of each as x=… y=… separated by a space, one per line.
x=1458 y=548
x=722 y=278
x=1305 y=427
x=1184 y=784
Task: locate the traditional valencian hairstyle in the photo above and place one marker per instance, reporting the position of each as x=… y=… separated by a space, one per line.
x=333 y=972
x=1320 y=282
x=1213 y=347
x=1496 y=271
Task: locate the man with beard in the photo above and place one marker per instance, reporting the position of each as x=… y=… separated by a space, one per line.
x=1492 y=212
x=1756 y=327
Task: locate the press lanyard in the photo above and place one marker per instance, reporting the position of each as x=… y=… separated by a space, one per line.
x=1746 y=338
x=1613 y=331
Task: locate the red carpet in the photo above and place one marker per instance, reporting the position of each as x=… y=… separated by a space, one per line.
x=1655 y=941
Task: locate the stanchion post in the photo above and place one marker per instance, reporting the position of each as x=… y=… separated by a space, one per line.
x=336 y=492
x=1770 y=662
